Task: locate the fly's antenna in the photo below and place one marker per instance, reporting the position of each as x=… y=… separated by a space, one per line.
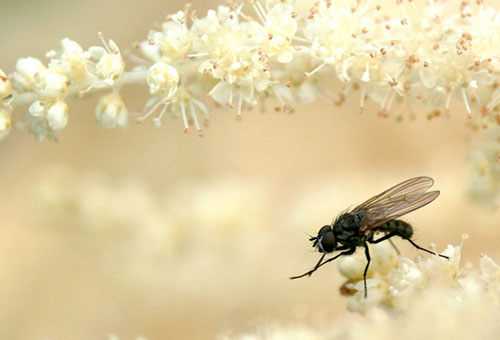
x=311 y=238
x=305 y=232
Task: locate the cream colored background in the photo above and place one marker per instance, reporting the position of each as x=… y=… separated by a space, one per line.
x=313 y=164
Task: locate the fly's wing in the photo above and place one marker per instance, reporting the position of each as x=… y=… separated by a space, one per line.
x=397 y=201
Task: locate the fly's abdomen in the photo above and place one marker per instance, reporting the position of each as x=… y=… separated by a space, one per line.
x=396 y=226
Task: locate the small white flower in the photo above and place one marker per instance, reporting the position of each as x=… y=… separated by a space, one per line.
x=24 y=76
x=70 y=60
x=150 y=50
x=174 y=40
x=489 y=269
x=111 y=112
x=377 y=289
x=109 y=62
x=50 y=83
x=280 y=26
x=162 y=79
x=183 y=103
x=5 y=122
x=46 y=118
x=5 y=85
x=57 y=116
x=36 y=108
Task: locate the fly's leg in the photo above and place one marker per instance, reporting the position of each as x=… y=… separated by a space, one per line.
x=319 y=264
x=367 y=254
x=311 y=271
x=421 y=248
x=388 y=236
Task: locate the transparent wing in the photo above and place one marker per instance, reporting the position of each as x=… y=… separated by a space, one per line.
x=397 y=201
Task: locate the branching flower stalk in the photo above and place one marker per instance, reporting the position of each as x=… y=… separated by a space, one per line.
x=416 y=54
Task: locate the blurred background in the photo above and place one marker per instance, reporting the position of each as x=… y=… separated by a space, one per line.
x=157 y=233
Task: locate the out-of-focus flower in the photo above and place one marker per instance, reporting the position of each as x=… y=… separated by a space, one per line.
x=144 y=238
x=484 y=160
x=115 y=337
x=230 y=211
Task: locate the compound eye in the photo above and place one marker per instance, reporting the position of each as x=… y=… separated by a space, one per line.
x=324 y=229
x=328 y=242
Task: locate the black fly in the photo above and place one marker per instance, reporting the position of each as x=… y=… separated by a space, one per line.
x=379 y=214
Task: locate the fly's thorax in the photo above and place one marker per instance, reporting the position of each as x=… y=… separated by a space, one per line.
x=346 y=227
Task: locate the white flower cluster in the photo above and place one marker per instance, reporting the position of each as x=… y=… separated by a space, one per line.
x=70 y=71
x=428 y=298
x=242 y=53
x=393 y=280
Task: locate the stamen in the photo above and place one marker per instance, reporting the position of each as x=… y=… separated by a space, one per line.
x=304 y=40
x=405 y=13
x=495 y=99
x=202 y=107
x=240 y=103
x=308 y=74
x=362 y=100
x=262 y=9
x=258 y=13
x=195 y=55
x=214 y=88
x=101 y=36
x=153 y=109
x=466 y=101
x=138 y=59
x=195 y=119
x=157 y=120
x=230 y=101
x=448 y=100
x=184 y=118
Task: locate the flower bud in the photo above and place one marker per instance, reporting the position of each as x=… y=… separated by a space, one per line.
x=5 y=123
x=50 y=83
x=26 y=70
x=162 y=78
x=111 y=112
x=5 y=85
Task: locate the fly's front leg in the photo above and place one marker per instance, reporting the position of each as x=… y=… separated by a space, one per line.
x=309 y=273
x=320 y=263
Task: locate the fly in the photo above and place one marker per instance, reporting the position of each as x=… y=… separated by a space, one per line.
x=377 y=215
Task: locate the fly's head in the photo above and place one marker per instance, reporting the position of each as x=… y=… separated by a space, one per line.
x=326 y=241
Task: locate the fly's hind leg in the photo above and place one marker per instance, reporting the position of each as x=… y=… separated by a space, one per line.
x=388 y=236
x=421 y=248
